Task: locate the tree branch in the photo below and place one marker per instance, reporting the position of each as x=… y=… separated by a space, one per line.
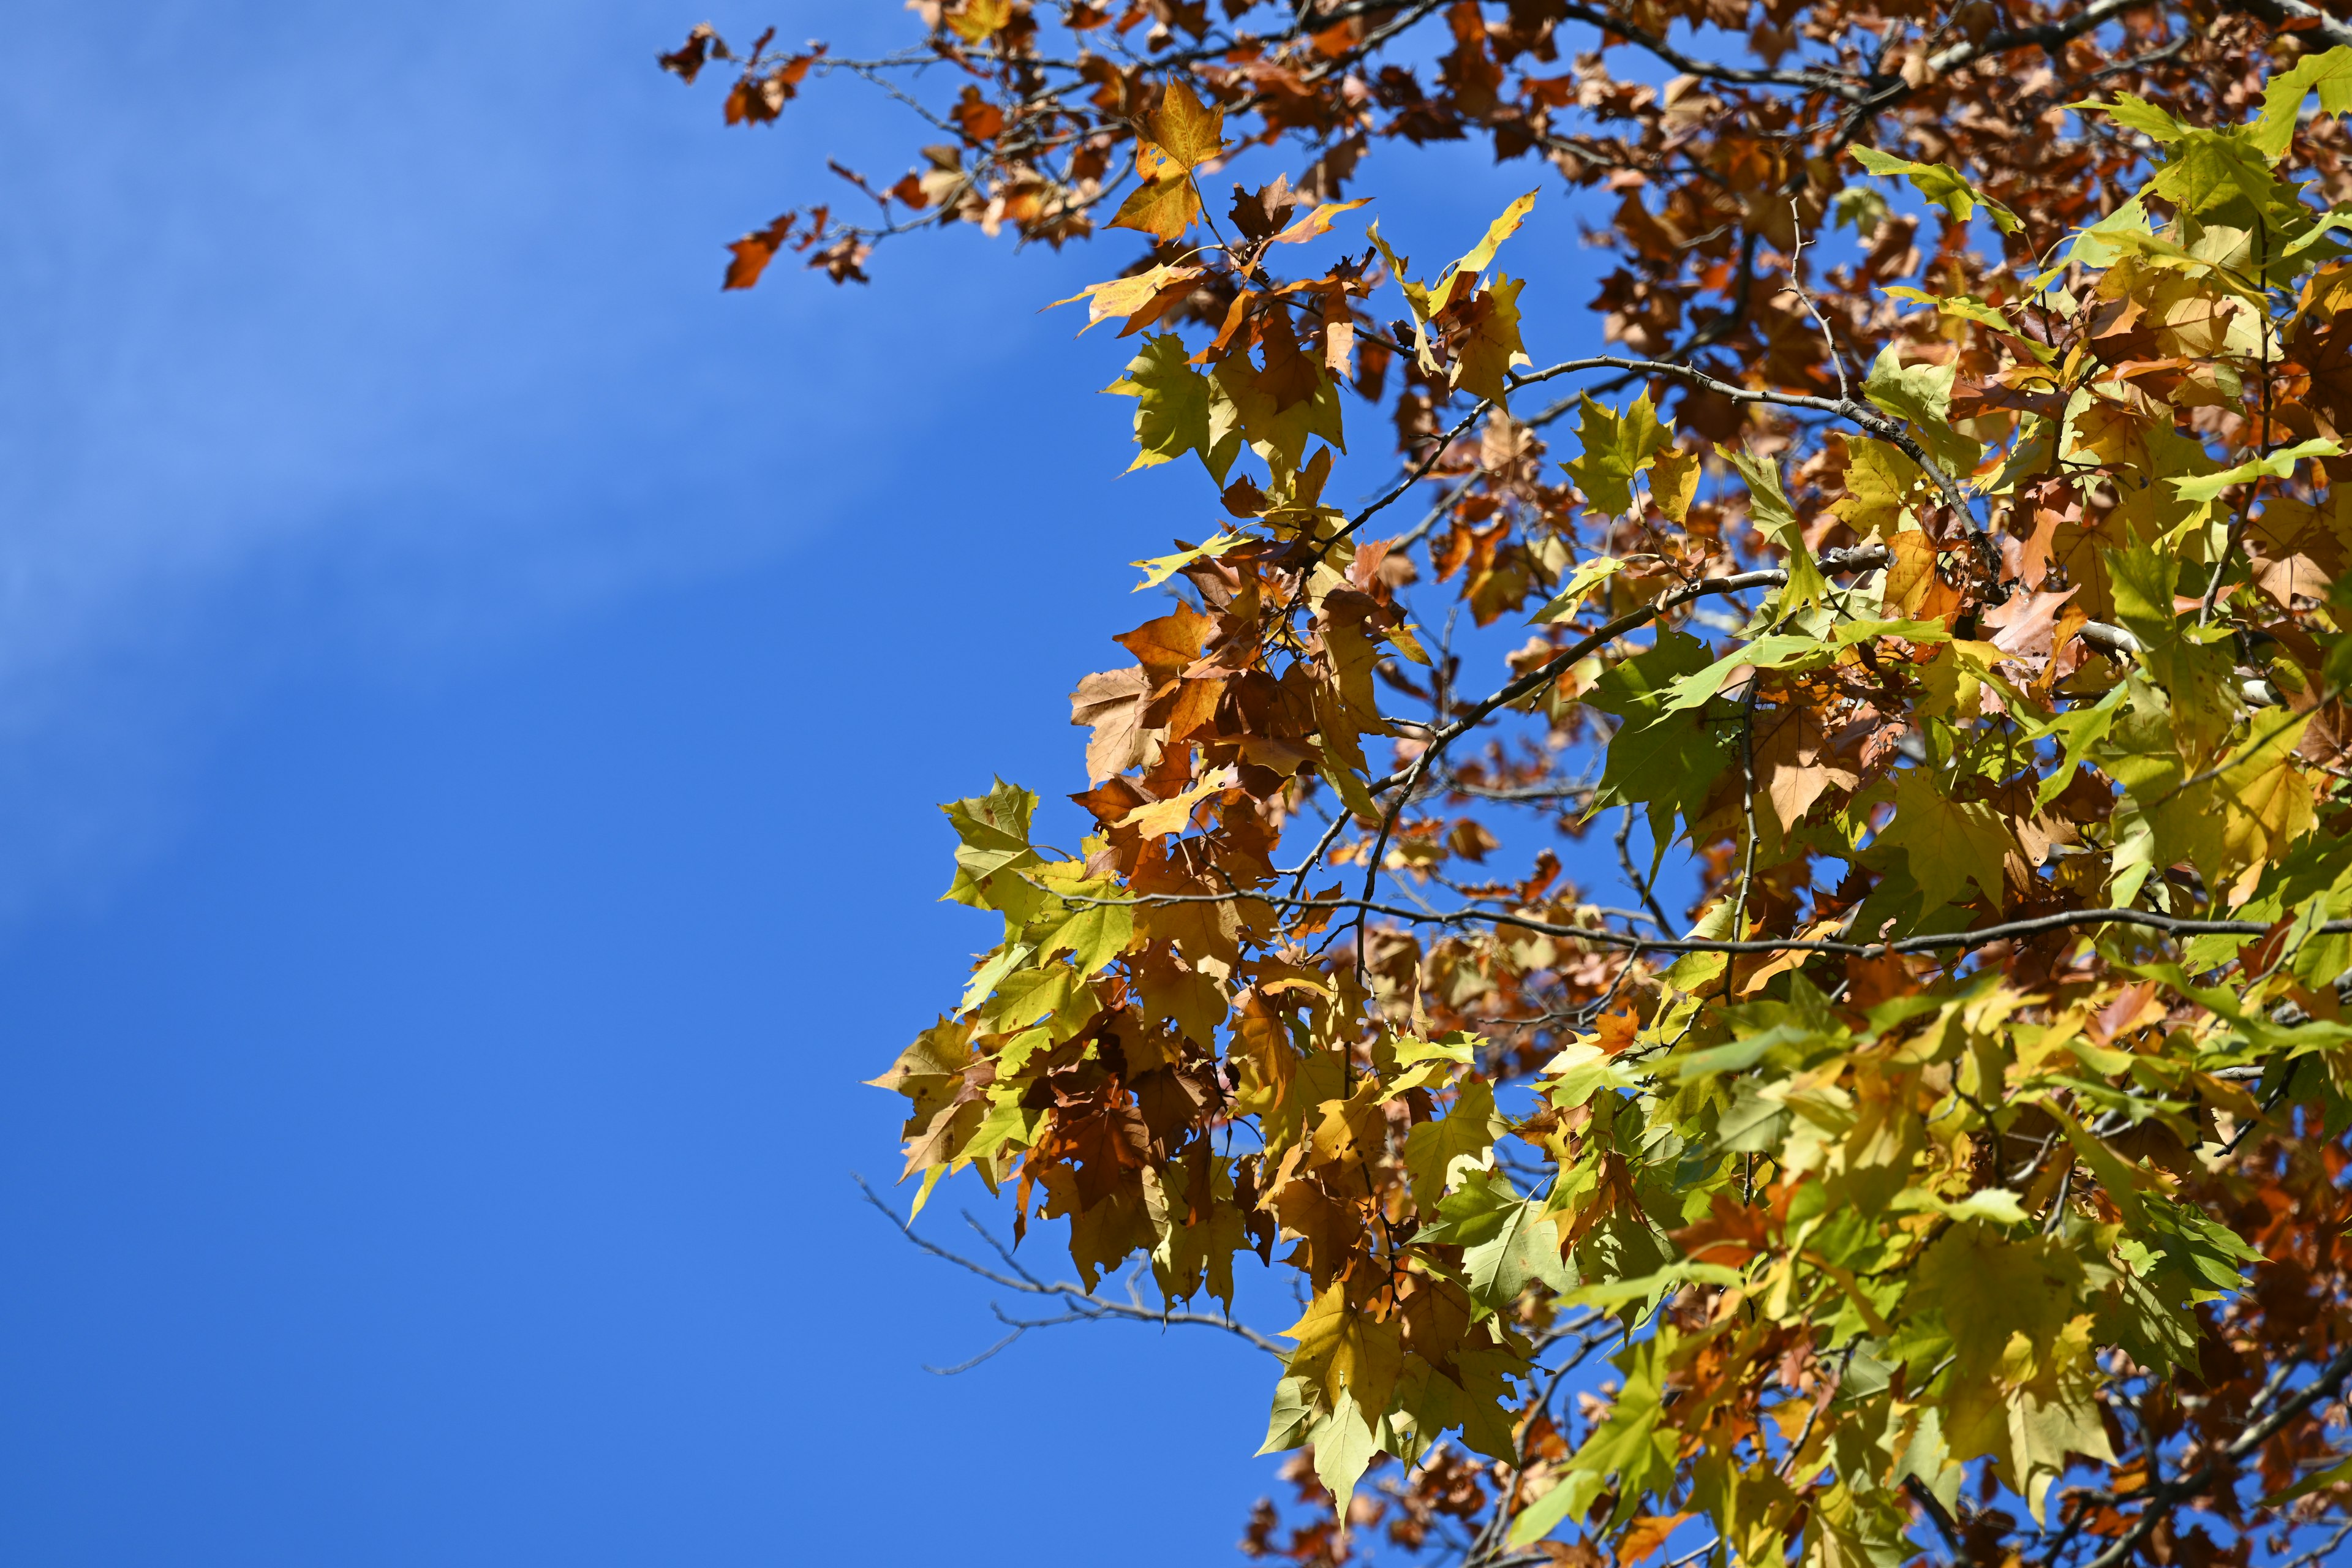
x=1082 y=1305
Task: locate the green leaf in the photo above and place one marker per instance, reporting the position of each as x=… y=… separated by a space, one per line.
x=995 y=830
x=1172 y=407
x=2329 y=75
x=1160 y=568
x=2136 y=113
x=2279 y=465
x=1947 y=843
x=1344 y=1447
x=1627 y=1442
x=1294 y=1408
x=1576 y=589
x=1942 y=184
x=1437 y=1151
x=1505 y=1240
x=1567 y=1499
x=1769 y=506
x=1665 y=760
x=1617 y=448
x=1922 y=396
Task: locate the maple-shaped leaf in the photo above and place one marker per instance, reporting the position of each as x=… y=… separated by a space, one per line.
x=1188 y=133
x=1505 y=1240
x=2329 y=75
x=1674 y=483
x=1618 y=448
x=1111 y=702
x=1947 y=843
x=1171 y=408
x=995 y=831
x=1881 y=484
x=1940 y=184
x=1142 y=299
x=1922 y=395
x=1164 y=206
x=1339 y=1346
x=1437 y=1152
x=975 y=21
x=1483 y=335
x=1453 y=289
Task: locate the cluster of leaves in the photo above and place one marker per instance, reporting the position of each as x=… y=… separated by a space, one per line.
x=1965 y=1181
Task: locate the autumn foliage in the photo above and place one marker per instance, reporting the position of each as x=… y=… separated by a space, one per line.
x=1928 y=633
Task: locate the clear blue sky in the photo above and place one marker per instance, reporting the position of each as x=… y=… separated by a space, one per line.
x=471 y=699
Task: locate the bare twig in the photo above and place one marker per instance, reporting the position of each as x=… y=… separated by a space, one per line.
x=1081 y=1305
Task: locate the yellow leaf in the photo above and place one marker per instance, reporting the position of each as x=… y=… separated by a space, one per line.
x=1880 y=482
x=1488 y=346
x=1182 y=128
x=1477 y=257
x=975 y=21
x=1172 y=814
x=1164 y=208
x=1339 y=1347
x=1160 y=568
x=1317 y=223
x=1131 y=296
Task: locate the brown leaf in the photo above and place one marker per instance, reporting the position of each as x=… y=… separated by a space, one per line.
x=1166 y=646
x=1793 y=760
x=1111 y=702
x=754 y=251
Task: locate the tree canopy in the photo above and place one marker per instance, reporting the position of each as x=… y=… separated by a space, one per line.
x=1936 y=568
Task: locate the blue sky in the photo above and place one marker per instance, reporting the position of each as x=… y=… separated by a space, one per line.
x=471 y=701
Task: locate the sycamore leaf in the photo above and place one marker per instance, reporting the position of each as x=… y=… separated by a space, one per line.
x=2329 y=75
x=1947 y=843
x=1626 y=1444
x=1426 y=303
x=1171 y=408
x=1173 y=815
x=1988 y=1288
x=1182 y=128
x=1942 y=184
x=994 y=832
x=1341 y=1347
x=1576 y=589
x=1344 y=1445
x=2279 y=465
x=1437 y=1152
x=1486 y=340
x=1922 y=395
x=1317 y=223
x=1479 y=257
x=2136 y=113
x=1111 y=702
x=1162 y=207
x=1160 y=568
x=2049 y=1420
x=1673 y=481
x=1617 y=448
x=1881 y=483
x=1294 y=1409
x=1507 y=1240
x=1768 y=508
x=1133 y=297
